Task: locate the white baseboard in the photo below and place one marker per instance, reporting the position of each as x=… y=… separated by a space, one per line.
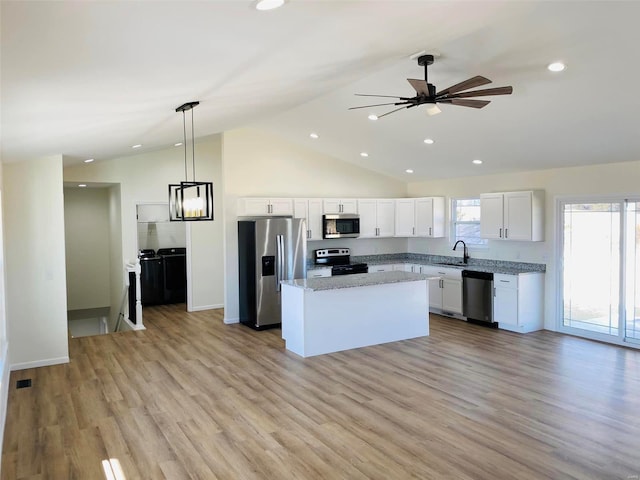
x=206 y=307
x=47 y=362
x=4 y=389
x=229 y=321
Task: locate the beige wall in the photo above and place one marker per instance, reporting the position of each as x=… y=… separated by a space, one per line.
x=144 y=178
x=86 y=226
x=35 y=268
x=256 y=164
x=598 y=180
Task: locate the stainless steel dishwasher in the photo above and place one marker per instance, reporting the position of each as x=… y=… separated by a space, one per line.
x=477 y=296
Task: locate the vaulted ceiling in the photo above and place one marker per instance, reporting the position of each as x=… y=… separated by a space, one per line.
x=91 y=79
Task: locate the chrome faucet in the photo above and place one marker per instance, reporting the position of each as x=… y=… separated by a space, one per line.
x=465 y=254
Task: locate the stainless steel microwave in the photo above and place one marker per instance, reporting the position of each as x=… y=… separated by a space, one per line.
x=340 y=225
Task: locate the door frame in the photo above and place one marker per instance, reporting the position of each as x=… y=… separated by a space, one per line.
x=560 y=201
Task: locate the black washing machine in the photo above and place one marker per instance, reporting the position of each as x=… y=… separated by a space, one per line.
x=151 y=278
x=174 y=268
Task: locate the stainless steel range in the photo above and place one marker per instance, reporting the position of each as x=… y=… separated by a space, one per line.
x=339 y=259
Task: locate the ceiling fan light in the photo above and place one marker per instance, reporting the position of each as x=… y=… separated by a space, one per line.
x=433 y=109
x=429 y=141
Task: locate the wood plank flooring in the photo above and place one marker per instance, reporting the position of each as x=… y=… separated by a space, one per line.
x=191 y=398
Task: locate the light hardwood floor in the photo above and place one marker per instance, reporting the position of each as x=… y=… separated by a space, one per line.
x=193 y=398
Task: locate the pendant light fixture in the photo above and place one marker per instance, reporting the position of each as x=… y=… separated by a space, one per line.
x=190 y=200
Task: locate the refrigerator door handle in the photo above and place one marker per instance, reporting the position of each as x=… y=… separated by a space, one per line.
x=279 y=260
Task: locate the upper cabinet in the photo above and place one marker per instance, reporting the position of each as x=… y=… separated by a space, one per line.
x=311 y=210
x=376 y=217
x=512 y=215
x=336 y=205
x=265 y=206
x=420 y=217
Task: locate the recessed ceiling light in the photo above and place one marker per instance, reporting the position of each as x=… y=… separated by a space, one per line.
x=364 y=154
x=269 y=4
x=136 y=146
x=88 y=160
x=428 y=141
x=477 y=162
x=408 y=170
x=313 y=135
x=373 y=116
x=82 y=185
x=177 y=144
x=556 y=66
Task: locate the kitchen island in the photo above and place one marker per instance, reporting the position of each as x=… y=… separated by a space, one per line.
x=324 y=315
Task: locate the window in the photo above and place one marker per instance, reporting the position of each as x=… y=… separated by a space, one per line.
x=600 y=249
x=465 y=221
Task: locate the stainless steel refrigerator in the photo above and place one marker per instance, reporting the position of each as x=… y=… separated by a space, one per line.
x=269 y=250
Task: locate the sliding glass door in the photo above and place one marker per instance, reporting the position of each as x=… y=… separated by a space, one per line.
x=601 y=269
x=632 y=270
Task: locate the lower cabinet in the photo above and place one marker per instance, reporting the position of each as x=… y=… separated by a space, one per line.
x=445 y=295
x=319 y=272
x=518 y=301
x=380 y=268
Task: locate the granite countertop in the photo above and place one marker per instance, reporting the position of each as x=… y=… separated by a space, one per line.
x=356 y=280
x=475 y=264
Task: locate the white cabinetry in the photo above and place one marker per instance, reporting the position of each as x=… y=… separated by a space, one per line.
x=445 y=295
x=381 y=268
x=430 y=217
x=518 y=301
x=335 y=205
x=377 y=217
x=265 y=206
x=512 y=215
x=311 y=210
x=420 y=217
x=319 y=272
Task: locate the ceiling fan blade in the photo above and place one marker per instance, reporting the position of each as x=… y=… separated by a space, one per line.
x=378 y=105
x=420 y=86
x=469 y=83
x=466 y=102
x=389 y=113
x=483 y=93
x=382 y=96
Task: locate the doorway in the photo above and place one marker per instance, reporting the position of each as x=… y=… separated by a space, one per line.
x=162 y=250
x=600 y=269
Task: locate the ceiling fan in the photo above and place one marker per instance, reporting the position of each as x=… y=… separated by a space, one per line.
x=454 y=95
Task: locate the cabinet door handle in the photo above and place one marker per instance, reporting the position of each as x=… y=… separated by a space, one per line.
x=413 y=230
x=500 y=234
x=429 y=231
x=506 y=233
x=494 y=291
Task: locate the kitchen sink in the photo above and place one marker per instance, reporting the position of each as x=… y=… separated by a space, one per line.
x=451 y=264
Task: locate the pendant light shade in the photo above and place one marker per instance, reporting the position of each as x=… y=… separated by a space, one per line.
x=190 y=200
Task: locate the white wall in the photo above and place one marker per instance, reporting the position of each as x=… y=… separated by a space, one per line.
x=144 y=178
x=86 y=227
x=256 y=164
x=35 y=269
x=617 y=178
x=116 y=272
